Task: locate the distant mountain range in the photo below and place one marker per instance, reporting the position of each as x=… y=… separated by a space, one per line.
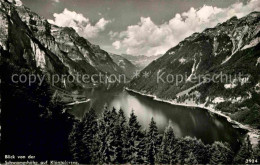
x=230 y=48
x=132 y=63
x=140 y=61
x=128 y=67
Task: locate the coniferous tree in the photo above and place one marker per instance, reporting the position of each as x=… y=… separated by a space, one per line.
x=182 y=149
x=184 y=146
x=120 y=138
x=244 y=153
x=153 y=143
x=106 y=136
x=134 y=138
x=167 y=149
x=201 y=151
x=191 y=159
x=220 y=153
x=113 y=138
x=141 y=149
x=90 y=130
x=75 y=142
x=257 y=153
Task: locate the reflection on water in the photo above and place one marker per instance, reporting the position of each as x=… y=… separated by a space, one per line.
x=194 y=122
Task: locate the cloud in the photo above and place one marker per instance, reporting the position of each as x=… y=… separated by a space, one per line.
x=148 y=38
x=113 y=34
x=116 y=44
x=80 y=23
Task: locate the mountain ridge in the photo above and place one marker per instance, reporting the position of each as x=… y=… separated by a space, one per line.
x=52 y=49
x=229 y=48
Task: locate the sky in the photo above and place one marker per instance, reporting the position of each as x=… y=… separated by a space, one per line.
x=139 y=27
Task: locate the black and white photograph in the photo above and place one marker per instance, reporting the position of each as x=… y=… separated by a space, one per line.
x=129 y=82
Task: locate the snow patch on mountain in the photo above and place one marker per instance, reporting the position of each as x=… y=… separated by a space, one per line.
x=194 y=68
x=171 y=53
x=253 y=43
x=121 y=63
x=237 y=41
x=182 y=60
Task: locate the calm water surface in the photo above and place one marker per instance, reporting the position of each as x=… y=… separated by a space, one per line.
x=194 y=122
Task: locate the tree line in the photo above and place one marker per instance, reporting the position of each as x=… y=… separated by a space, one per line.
x=112 y=138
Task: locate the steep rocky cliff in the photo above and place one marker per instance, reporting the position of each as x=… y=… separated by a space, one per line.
x=218 y=68
x=33 y=42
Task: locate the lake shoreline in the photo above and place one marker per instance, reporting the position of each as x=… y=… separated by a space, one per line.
x=253 y=133
x=78 y=102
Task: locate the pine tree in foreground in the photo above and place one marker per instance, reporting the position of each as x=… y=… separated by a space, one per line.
x=90 y=130
x=106 y=134
x=120 y=138
x=186 y=145
x=257 y=153
x=245 y=152
x=182 y=149
x=141 y=157
x=191 y=159
x=134 y=136
x=167 y=154
x=75 y=142
x=200 y=151
x=153 y=142
x=220 y=153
